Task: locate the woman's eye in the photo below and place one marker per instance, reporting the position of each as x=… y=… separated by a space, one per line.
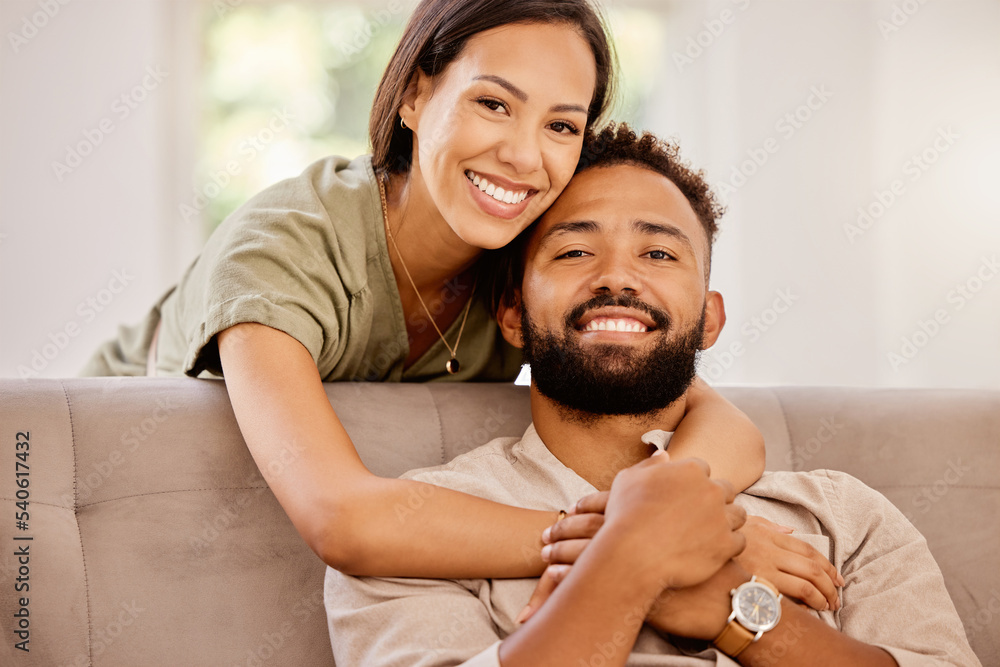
x=562 y=127
x=572 y=254
x=492 y=104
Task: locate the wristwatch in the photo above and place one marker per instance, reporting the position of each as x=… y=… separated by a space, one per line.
x=756 y=609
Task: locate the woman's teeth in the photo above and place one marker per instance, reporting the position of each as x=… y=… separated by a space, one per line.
x=506 y=196
x=607 y=324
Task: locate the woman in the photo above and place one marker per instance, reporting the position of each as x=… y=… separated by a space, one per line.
x=367 y=270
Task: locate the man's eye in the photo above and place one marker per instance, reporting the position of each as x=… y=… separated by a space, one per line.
x=660 y=254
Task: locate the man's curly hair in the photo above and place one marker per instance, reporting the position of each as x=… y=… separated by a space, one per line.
x=616 y=144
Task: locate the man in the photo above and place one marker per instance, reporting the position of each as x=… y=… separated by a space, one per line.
x=611 y=310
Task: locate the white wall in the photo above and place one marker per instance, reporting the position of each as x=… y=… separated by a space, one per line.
x=84 y=249
x=61 y=242
x=857 y=292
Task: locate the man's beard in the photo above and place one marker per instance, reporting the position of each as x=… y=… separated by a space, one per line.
x=609 y=378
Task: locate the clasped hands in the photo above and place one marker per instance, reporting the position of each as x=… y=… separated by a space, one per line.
x=672 y=523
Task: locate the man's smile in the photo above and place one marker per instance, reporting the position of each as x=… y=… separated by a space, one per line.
x=615 y=318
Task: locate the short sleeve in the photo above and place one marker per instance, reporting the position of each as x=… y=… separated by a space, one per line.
x=284 y=260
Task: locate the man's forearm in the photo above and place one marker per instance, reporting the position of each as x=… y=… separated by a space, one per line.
x=802 y=639
x=598 y=609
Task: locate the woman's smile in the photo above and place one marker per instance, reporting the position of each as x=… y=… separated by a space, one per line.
x=497 y=197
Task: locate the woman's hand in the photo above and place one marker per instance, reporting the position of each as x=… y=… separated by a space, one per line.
x=797 y=569
x=564 y=541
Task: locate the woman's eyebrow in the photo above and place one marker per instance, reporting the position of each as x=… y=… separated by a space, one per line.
x=523 y=96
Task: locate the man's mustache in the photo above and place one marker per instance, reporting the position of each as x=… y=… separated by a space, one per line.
x=623 y=300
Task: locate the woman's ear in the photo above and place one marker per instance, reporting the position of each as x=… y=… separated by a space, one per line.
x=509 y=319
x=715 y=319
x=416 y=94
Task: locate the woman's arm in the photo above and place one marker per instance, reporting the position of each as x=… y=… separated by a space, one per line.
x=347 y=515
x=715 y=430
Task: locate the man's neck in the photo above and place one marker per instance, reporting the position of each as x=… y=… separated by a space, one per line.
x=597 y=447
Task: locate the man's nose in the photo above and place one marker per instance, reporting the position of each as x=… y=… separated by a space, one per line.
x=521 y=148
x=616 y=274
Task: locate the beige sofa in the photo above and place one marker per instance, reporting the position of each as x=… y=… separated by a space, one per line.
x=154 y=540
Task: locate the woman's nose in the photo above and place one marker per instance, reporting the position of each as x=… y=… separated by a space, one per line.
x=522 y=150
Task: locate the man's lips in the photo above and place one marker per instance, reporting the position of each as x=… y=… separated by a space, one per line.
x=621 y=319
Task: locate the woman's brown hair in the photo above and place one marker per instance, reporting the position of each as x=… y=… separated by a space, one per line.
x=436 y=35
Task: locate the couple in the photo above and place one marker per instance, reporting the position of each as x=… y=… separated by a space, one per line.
x=370 y=269
x=608 y=298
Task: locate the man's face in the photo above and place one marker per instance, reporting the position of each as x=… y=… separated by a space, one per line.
x=614 y=297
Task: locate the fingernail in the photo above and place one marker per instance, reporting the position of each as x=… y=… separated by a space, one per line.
x=787 y=529
x=546 y=552
x=840 y=578
x=523 y=616
x=547 y=535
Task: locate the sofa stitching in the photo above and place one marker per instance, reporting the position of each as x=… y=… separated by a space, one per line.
x=788 y=433
x=79 y=532
x=440 y=428
x=159 y=493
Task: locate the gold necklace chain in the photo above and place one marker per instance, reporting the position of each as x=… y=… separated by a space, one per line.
x=452 y=366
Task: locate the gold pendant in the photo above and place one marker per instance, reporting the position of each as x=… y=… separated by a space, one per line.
x=452 y=366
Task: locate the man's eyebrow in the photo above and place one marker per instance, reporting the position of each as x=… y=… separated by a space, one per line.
x=523 y=96
x=585 y=226
x=654 y=228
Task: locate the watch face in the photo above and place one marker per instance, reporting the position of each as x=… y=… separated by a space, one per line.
x=757 y=607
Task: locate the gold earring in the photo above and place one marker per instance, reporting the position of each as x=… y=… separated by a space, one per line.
x=402 y=123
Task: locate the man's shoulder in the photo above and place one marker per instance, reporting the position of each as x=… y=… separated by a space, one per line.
x=827 y=502
x=513 y=471
x=480 y=471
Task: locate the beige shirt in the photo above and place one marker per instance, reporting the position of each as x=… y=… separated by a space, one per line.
x=307 y=256
x=894 y=596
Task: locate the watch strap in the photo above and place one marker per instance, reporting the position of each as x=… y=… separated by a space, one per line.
x=733 y=639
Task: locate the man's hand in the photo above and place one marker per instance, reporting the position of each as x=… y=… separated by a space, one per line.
x=797 y=569
x=699 y=535
x=699 y=611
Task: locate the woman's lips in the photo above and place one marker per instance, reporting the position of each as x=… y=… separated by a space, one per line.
x=491 y=205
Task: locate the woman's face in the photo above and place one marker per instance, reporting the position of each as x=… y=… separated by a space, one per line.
x=498 y=133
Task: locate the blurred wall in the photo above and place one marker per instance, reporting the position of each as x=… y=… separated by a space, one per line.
x=854 y=142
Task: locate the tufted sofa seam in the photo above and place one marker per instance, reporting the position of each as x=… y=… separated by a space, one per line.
x=79 y=531
x=159 y=493
x=440 y=429
x=792 y=447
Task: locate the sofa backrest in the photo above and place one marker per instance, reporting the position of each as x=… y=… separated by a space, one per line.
x=154 y=539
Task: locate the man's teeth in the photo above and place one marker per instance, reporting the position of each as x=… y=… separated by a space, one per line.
x=607 y=324
x=506 y=196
